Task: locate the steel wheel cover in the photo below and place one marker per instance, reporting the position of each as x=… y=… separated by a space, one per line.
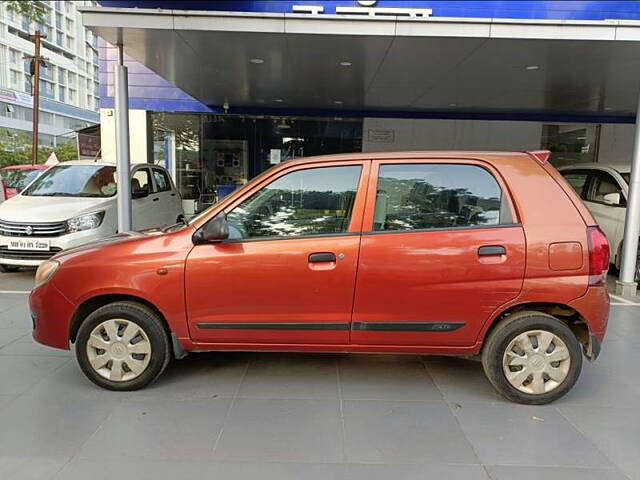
x=536 y=362
x=118 y=350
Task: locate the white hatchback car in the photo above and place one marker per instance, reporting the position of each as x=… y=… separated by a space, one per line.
x=74 y=203
x=604 y=190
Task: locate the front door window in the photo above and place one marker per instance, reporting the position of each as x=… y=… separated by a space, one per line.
x=317 y=201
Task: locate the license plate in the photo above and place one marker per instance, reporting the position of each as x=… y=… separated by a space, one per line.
x=29 y=244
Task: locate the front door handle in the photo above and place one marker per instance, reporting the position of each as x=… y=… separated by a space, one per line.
x=322 y=257
x=156 y=199
x=491 y=250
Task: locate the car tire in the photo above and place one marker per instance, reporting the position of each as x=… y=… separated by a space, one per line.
x=516 y=365
x=136 y=347
x=8 y=268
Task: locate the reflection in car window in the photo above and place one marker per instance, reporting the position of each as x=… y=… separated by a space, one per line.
x=305 y=202
x=577 y=180
x=75 y=181
x=19 y=178
x=424 y=196
x=162 y=180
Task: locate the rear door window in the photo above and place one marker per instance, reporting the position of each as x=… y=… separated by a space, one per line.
x=438 y=196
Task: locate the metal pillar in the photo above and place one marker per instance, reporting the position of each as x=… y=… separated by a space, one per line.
x=627 y=284
x=123 y=163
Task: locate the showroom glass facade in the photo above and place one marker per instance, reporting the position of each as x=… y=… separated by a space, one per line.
x=212 y=155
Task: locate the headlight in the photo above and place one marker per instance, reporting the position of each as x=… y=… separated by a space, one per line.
x=85 y=222
x=45 y=272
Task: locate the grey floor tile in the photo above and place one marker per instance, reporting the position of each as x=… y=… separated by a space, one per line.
x=404 y=432
x=16 y=315
x=5 y=400
x=615 y=431
x=461 y=380
x=200 y=375
x=554 y=473
x=291 y=376
x=94 y=469
x=156 y=430
x=18 y=373
x=49 y=426
x=386 y=377
x=30 y=468
x=504 y=434
x=26 y=345
x=413 y=472
x=282 y=430
x=21 y=280
x=598 y=387
x=68 y=381
x=10 y=335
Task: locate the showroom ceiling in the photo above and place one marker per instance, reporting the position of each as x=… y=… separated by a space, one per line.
x=289 y=62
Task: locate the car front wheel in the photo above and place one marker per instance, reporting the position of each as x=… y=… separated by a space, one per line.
x=532 y=358
x=122 y=346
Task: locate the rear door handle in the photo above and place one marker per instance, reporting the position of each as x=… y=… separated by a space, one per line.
x=491 y=250
x=156 y=199
x=321 y=257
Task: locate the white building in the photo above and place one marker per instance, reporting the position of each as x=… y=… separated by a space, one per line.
x=69 y=85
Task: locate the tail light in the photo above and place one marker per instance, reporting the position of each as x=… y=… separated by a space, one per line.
x=598 y=256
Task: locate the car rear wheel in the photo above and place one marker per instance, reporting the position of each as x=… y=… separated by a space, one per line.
x=532 y=358
x=122 y=346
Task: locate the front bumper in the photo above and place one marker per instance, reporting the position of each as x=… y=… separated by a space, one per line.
x=51 y=314
x=33 y=258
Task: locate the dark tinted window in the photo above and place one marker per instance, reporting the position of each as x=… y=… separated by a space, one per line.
x=424 y=196
x=578 y=180
x=306 y=202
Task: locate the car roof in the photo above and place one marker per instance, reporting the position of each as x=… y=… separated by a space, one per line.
x=618 y=167
x=417 y=154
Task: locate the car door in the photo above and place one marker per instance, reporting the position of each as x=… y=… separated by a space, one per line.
x=144 y=214
x=441 y=250
x=169 y=204
x=606 y=201
x=286 y=275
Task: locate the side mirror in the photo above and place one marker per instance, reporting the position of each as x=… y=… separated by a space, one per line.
x=216 y=230
x=612 y=198
x=140 y=193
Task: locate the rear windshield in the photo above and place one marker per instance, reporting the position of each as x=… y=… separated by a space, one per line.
x=75 y=181
x=19 y=178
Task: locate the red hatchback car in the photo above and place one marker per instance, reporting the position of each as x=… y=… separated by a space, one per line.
x=450 y=253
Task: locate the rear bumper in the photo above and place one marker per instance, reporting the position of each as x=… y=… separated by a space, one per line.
x=593 y=306
x=51 y=315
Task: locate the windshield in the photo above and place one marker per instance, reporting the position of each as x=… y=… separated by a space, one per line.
x=75 y=181
x=19 y=178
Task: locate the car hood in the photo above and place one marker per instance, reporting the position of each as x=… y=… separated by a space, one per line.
x=49 y=209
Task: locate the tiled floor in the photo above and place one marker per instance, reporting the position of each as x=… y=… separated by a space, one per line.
x=294 y=416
